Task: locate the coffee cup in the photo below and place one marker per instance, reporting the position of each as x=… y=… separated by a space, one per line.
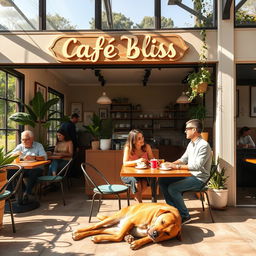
x=153 y=163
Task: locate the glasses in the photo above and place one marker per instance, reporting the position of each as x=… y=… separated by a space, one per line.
x=189 y=128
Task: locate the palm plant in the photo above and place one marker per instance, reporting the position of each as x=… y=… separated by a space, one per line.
x=95 y=128
x=5 y=158
x=38 y=114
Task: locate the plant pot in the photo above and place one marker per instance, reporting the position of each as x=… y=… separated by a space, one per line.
x=202 y=88
x=105 y=144
x=95 y=145
x=3 y=180
x=205 y=135
x=218 y=198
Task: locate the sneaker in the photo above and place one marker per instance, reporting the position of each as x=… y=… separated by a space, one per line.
x=186 y=220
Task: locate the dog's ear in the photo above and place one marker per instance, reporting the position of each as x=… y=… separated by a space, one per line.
x=162 y=210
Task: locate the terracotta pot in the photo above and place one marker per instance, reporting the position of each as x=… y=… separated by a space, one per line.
x=95 y=144
x=205 y=135
x=202 y=88
x=3 y=179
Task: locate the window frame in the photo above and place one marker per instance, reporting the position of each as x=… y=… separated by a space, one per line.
x=19 y=102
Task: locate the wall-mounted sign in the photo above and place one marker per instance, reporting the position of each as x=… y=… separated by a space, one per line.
x=149 y=48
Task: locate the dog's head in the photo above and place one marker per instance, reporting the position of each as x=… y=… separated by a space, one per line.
x=165 y=225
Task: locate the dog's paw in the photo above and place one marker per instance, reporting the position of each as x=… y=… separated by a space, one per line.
x=94 y=239
x=129 y=238
x=134 y=245
x=75 y=236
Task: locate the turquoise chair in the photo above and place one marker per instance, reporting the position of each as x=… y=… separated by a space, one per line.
x=59 y=178
x=105 y=188
x=14 y=182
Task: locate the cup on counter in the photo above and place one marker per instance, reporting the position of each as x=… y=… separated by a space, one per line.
x=153 y=163
x=160 y=161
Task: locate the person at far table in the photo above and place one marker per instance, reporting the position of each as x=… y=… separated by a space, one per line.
x=245 y=140
x=197 y=159
x=136 y=151
x=30 y=150
x=64 y=149
x=70 y=128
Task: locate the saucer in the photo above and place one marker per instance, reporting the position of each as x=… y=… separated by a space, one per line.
x=143 y=167
x=165 y=169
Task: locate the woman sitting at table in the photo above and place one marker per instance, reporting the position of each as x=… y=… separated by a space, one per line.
x=245 y=140
x=63 y=149
x=136 y=151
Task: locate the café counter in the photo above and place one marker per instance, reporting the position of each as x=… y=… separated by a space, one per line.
x=109 y=162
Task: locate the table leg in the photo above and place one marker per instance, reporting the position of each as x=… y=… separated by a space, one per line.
x=153 y=189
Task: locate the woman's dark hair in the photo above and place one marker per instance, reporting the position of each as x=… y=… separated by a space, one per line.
x=242 y=130
x=131 y=140
x=64 y=133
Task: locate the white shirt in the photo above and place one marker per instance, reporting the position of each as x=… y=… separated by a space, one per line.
x=246 y=140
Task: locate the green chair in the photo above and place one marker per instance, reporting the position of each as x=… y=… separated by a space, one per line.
x=59 y=178
x=102 y=186
x=14 y=182
x=203 y=190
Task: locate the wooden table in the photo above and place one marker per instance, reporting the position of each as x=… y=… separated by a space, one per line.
x=19 y=206
x=250 y=160
x=153 y=174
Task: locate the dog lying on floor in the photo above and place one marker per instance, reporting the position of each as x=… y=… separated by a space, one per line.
x=152 y=222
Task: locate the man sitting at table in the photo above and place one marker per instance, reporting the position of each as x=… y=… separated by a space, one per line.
x=30 y=150
x=197 y=159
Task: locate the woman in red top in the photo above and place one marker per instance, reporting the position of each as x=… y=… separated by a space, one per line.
x=136 y=151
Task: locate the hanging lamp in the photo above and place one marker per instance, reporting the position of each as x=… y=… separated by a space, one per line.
x=104 y=99
x=183 y=99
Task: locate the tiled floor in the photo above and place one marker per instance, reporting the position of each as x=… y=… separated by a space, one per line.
x=47 y=231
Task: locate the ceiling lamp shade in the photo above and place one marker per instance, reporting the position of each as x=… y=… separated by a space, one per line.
x=104 y=99
x=183 y=99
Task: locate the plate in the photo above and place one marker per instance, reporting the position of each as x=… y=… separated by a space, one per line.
x=165 y=169
x=145 y=167
x=29 y=161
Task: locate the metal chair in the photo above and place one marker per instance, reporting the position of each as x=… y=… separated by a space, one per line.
x=203 y=190
x=55 y=179
x=105 y=188
x=14 y=182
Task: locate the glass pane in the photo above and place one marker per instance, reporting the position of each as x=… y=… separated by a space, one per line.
x=12 y=108
x=131 y=14
x=2 y=139
x=12 y=140
x=19 y=15
x=12 y=87
x=70 y=15
x=2 y=84
x=183 y=16
x=2 y=114
x=246 y=14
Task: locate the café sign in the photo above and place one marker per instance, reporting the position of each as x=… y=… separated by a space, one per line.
x=148 y=48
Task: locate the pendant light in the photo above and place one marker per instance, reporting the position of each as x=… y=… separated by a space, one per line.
x=104 y=99
x=183 y=99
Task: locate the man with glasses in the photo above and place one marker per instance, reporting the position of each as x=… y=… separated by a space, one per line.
x=197 y=159
x=30 y=150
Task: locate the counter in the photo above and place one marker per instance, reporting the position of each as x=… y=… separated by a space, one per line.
x=109 y=162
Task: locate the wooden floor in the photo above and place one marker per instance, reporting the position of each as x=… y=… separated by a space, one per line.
x=47 y=231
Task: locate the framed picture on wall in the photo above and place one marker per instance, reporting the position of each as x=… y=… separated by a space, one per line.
x=88 y=117
x=77 y=108
x=41 y=88
x=103 y=113
x=252 y=101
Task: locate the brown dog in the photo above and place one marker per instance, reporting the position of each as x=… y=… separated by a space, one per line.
x=153 y=222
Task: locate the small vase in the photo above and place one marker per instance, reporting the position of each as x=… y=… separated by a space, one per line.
x=105 y=144
x=95 y=145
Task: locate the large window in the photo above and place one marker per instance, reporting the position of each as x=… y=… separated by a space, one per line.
x=245 y=13
x=10 y=93
x=19 y=15
x=59 y=109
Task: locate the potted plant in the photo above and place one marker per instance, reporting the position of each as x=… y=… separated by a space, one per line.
x=199 y=112
x=94 y=130
x=38 y=115
x=218 y=192
x=106 y=134
x=198 y=82
x=4 y=159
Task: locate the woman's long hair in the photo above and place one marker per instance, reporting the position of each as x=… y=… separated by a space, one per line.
x=64 y=133
x=131 y=140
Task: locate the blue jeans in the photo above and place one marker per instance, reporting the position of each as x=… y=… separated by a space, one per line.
x=56 y=165
x=173 y=187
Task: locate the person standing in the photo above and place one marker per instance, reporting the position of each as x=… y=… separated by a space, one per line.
x=197 y=159
x=30 y=150
x=136 y=151
x=70 y=128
